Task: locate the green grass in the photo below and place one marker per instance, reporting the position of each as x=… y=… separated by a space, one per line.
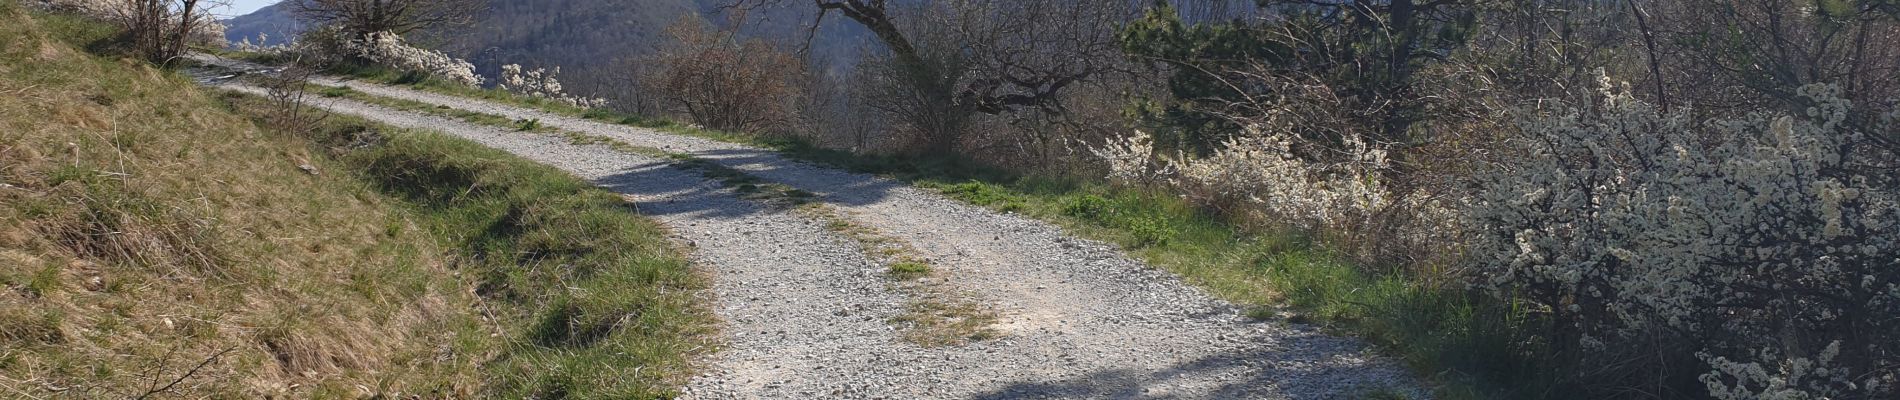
x=909 y=269
x=978 y=193
x=77 y=32
x=597 y=302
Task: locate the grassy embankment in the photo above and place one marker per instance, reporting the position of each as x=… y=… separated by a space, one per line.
x=155 y=239
x=1469 y=347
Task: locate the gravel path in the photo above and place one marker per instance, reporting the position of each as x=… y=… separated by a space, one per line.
x=805 y=311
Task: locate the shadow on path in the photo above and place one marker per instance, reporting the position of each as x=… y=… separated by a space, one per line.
x=1308 y=364
x=837 y=186
x=664 y=189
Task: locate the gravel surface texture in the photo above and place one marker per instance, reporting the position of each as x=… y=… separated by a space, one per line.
x=806 y=313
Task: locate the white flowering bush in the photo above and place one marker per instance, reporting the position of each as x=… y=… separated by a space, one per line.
x=245 y=45
x=1260 y=167
x=1763 y=241
x=388 y=49
x=1302 y=159
x=541 y=83
x=1133 y=158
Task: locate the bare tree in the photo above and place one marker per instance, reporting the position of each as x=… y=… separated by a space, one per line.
x=949 y=60
x=1771 y=48
x=361 y=17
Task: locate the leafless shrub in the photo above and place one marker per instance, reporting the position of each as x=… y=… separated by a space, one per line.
x=157 y=30
x=724 y=82
x=287 y=89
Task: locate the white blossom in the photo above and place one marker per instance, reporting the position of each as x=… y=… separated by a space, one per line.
x=541 y=83
x=1736 y=233
x=389 y=49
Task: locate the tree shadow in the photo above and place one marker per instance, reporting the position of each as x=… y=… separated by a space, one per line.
x=833 y=185
x=1303 y=365
x=664 y=189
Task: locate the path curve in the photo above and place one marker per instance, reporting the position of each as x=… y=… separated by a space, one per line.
x=805 y=312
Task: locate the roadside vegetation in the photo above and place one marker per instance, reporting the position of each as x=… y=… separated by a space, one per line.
x=1551 y=199
x=159 y=240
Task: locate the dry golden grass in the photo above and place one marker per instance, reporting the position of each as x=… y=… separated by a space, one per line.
x=145 y=231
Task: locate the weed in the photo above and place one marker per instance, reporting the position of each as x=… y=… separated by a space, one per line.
x=336 y=91
x=943 y=319
x=1088 y=206
x=909 y=269
x=983 y=194
x=44 y=282
x=1262 y=313
x=1150 y=230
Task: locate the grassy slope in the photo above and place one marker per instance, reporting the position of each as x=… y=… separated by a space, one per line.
x=1469 y=347
x=594 y=302
x=145 y=229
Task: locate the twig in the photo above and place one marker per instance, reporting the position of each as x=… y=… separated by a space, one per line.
x=181 y=378
x=22 y=90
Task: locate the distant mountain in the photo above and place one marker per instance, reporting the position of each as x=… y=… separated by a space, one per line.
x=274 y=22
x=589 y=39
x=594 y=42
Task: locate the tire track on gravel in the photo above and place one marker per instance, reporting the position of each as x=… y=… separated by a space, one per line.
x=805 y=311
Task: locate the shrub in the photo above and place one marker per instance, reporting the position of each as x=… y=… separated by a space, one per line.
x=1758 y=244
x=386 y=49
x=541 y=83
x=724 y=83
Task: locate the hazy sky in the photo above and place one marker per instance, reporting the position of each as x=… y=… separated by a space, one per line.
x=241 y=7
